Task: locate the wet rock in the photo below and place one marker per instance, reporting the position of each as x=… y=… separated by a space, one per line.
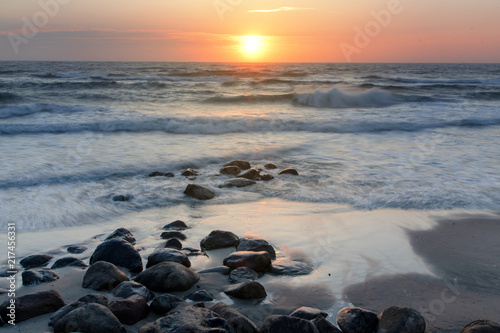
x=397 y=319
x=243 y=274
x=190 y=172
x=218 y=239
x=237 y=182
x=173 y=243
x=220 y=269
x=190 y=252
x=173 y=234
x=76 y=249
x=481 y=326
x=199 y=192
x=247 y=290
x=357 y=320
x=171 y=255
x=176 y=225
x=103 y=276
x=164 y=303
x=252 y=174
x=270 y=166
x=242 y=164
x=266 y=177
x=290 y=267
x=91 y=298
x=119 y=253
x=89 y=318
x=129 y=288
x=32 y=305
x=238 y=321
x=189 y=319
x=32 y=278
x=258 y=261
x=287 y=324
x=121 y=197
x=200 y=296
x=324 y=326
x=131 y=310
x=256 y=245
x=308 y=313
x=288 y=171
x=161 y=174
x=68 y=261
x=122 y=233
x=230 y=170
x=35 y=260
x=167 y=277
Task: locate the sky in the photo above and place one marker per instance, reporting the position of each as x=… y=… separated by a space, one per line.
x=251 y=30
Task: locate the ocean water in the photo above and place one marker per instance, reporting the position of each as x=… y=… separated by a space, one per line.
x=404 y=136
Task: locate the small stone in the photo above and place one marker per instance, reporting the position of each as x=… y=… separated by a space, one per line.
x=243 y=274
x=287 y=324
x=32 y=278
x=173 y=234
x=258 y=261
x=270 y=166
x=156 y=174
x=103 y=276
x=219 y=269
x=173 y=243
x=357 y=320
x=170 y=255
x=121 y=197
x=243 y=165
x=308 y=313
x=290 y=267
x=169 y=174
x=164 y=303
x=190 y=172
x=199 y=192
x=288 y=171
x=200 y=296
x=167 y=277
x=256 y=245
x=266 y=177
x=122 y=233
x=68 y=261
x=35 y=260
x=218 y=239
x=176 y=225
x=237 y=182
x=131 y=310
x=230 y=170
x=247 y=290
x=129 y=288
x=396 y=319
x=76 y=249
x=252 y=174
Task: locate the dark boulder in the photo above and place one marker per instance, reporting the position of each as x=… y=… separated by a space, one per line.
x=173 y=243
x=238 y=182
x=481 y=326
x=242 y=274
x=131 y=310
x=89 y=318
x=190 y=173
x=91 y=298
x=121 y=197
x=30 y=306
x=173 y=234
x=129 y=288
x=252 y=174
x=32 y=278
x=401 y=320
x=167 y=277
x=69 y=261
x=270 y=166
x=119 y=253
x=103 y=276
x=35 y=260
x=308 y=313
x=238 y=322
x=164 y=303
x=287 y=324
x=161 y=174
x=324 y=326
x=266 y=177
x=122 y=233
x=218 y=239
x=243 y=165
x=199 y=192
x=168 y=255
x=219 y=269
x=200 y=296
x=247 y=290
x=288 y=171
x=230 y=170
x=258 y=261
x=76 y=249
x=357 y=320
x=291 y=267
x=256 y=245
x=176 y=225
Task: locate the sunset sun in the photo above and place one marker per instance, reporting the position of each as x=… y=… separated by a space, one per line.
x=252 y=45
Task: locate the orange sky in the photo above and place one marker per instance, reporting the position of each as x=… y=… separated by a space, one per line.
x=212 y=30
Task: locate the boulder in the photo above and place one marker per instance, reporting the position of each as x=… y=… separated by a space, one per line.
x=238 y=322
x=34 y=277
x=122 y=233
x=258 y=261
x=287 y=324
x=176 y=225
x=173 y=234
x=131 y=310
x=290 y=267
x=256 y=245
x=190 y=173
x=288 y=171
x=35 y=260
x=89 y=318
x=103 y=276
x=308 y=313
x=324 y=326
x=69 y=261
x=91 y=298
x=242 y=274
x=161 y=174
x=270 y=166
x=121 y=197
x=357 y=320
x=168 y=255
x=199 y=192
x=481 y=326
x=238 y=182
x=230 y=170
x=396 y=319
x=247 y=290
x=76 y=249
x=218 y=239
x=164 y=303
x=200 y=296
x=119 y=253
x=167 y=277
x=252 y=174
x=32 y=305
x=243 y=165
x=129 y=288
x=173 y=243
x=219 y=269
x=266 y=177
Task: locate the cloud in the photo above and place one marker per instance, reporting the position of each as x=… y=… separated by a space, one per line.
x=281 y=9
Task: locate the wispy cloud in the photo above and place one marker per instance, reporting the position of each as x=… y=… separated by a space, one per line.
x=281 y=9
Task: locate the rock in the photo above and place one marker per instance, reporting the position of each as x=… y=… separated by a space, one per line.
x=242 y=274
x=199 y=192
x=481 y=326
x=218 y=239
x=252 y=174
x=238 y=322
x=35 y=260
x=238 y=182
x=230 y=170
x=121 y=197
x=242 y=164
x=173 y=234
x=122 y=233
x=288 y=171
x=290 y=267
x=131 y=310
x=91 y=298
x=32 y=305
x=176 y=225
x=190 y=172
x=258 y=261
x=167 y=277
x=324 y=326
x=287 y=324
x=192 y=252
x=266 y=177
x=164 y=303
x=256 y=245
x=189 y=319
x=173 y=243
x=270 y=166
x=308 y=313
x=220 y=269
x=94 y=298
x=396 y=319
x=76 y=249
x=129 y=288
x=357 y=320
x=68 y=261
x=247 y=290
x=200 y=296
x=168 y=255
x=89 y=318
x=161 y=174
x=32 y=278
x=119 y=253
x=103 y=276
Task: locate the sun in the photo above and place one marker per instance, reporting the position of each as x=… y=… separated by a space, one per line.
x=251 y=45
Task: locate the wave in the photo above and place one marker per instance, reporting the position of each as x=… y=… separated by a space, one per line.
x=21 y=110
x=455 y=81
x=485 y=95
x=124 y=77
x=255 y=98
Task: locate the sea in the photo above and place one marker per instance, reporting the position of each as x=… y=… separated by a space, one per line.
x=371 y=136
